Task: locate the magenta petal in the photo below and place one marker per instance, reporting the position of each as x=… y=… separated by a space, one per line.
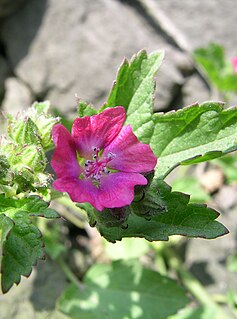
x=117 y=189
x=80 y=191
x=64 y=160
x=98 y=130
x=130 y=154
x=234 y=63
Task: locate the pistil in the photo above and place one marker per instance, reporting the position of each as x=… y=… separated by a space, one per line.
x=96 y=167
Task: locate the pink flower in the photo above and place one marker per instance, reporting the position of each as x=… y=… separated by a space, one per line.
x=234 y=63
x=101 y=161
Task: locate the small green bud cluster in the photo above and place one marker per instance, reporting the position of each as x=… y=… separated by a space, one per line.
x=22 y=152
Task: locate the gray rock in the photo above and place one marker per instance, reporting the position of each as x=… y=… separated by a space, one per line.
x=226 y=198
x=169 y=82
x=60 y=48
x=7 y=7
x=4 y=72
x=17 y=96
x=195 y=90
x=207 y=258
x=204 y=21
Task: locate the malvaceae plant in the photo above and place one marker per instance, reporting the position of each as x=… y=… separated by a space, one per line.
x=101 y=162
x=108 y=166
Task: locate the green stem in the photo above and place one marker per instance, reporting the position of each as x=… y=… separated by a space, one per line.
x=78 y=218
x=193 y=285
x=69 y=274
x=160 y=262
x=220 y=299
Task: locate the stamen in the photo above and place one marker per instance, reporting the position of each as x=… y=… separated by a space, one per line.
x=111 y=155
x=96 y=167
x=88 y=162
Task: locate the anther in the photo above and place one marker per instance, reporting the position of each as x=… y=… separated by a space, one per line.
x=88 y=162
x=96 y=176
x=111 y=155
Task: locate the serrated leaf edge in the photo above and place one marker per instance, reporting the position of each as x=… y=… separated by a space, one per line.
x=4 y=291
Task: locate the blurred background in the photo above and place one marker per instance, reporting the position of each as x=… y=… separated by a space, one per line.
x=54 y=49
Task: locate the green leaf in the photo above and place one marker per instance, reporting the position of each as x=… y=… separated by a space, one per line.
x=85 y=109
x=123 y=290
x=44 y=122
x=6 y=225
x=134 y=90
x=24 y=131
x=173 y=215
x=4 y=166
x=30 y=156
x=198 y=313
x=191 y=135
x=41 y=107
x=127 y=248
x=217 y=68
x=27 y=163
x=21 y=250
x=33 y=126
x=6 y=175
x=191 y=185
x=23 y=245
x=194 y=134
x=33 y=206
x=9 y=191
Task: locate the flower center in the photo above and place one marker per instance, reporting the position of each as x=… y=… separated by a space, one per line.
x=96 y=167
